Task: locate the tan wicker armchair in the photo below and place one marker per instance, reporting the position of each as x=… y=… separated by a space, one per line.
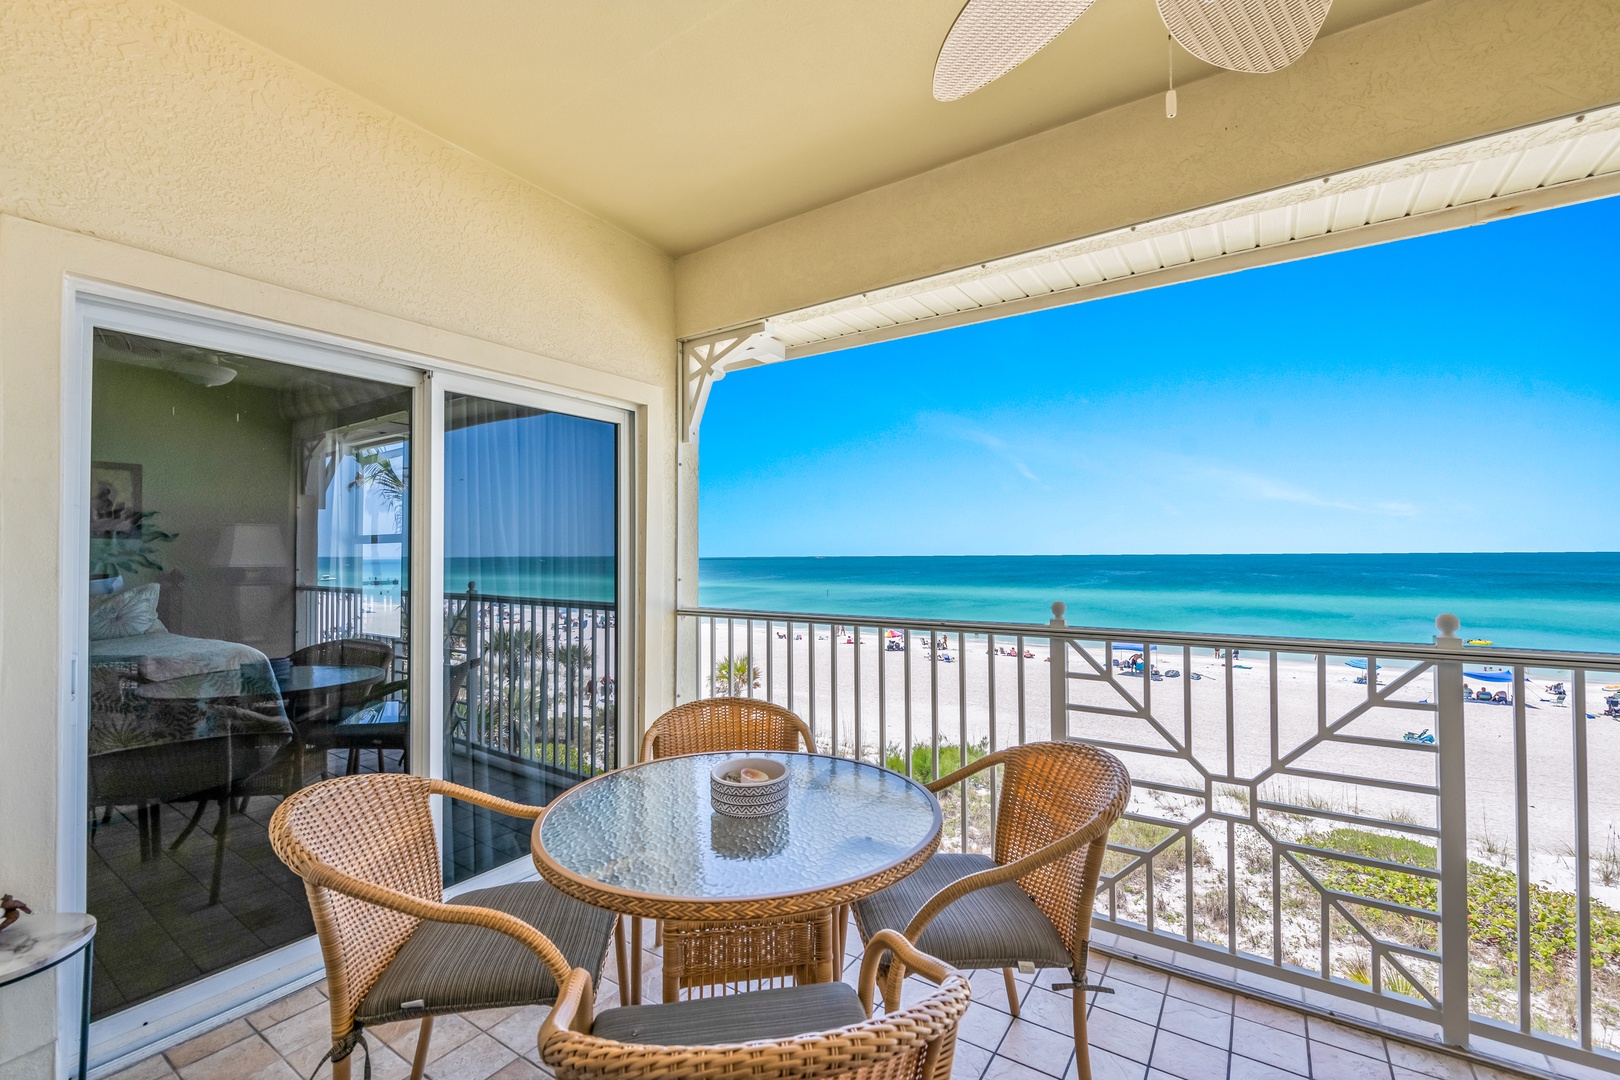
x=811 y=1032
x=1031 y=903
x=394 y=950
x=714 y=725
x=699 y=954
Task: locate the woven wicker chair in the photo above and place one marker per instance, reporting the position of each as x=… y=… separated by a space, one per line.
x=394 y=950
x=716 y=725
x=797 y=1033
x=717 y=954
x=1058 y=801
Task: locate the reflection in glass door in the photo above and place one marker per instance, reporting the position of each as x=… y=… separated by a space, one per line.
x=247 y=553
x=531 y=615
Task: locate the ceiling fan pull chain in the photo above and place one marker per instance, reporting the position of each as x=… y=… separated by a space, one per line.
x=1170 y=64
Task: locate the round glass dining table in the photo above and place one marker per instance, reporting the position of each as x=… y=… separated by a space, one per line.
x=645 y=840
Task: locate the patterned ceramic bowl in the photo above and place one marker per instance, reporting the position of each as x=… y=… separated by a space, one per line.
x=760 y=790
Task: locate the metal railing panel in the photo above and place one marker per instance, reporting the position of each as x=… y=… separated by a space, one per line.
x=1330 y=812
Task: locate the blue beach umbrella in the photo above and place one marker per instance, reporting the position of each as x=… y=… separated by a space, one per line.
x=1490 y=676
x=1360 y=665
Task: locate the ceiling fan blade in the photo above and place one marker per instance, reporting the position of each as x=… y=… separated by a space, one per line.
x=991 y=37
x=1255 y=36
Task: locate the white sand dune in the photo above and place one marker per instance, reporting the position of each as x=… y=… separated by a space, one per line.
x=979 y=696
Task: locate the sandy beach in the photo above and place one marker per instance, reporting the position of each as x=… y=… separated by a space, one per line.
x=983 y=695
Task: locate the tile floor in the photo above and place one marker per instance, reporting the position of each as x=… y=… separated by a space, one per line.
x=1153 y=1027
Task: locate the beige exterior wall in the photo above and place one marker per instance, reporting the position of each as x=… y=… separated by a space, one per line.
x=1424 y=77
x=144 y=146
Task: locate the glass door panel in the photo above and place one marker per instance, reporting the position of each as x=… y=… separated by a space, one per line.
x=531 y=616
x=248 y=542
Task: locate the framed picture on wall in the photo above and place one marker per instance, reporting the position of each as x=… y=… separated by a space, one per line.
x=115 y=499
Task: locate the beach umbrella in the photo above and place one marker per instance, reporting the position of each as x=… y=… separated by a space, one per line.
x=1122 y=646
x=1360 y=665
x=1490 y=676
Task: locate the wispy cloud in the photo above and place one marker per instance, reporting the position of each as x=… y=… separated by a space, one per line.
x=1264 y=488
x=960 y=429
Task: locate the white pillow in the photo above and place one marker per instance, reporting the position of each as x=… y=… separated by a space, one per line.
x=125 y=614
x=106 y=586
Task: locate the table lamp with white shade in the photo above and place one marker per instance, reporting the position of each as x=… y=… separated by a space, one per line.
x=253 y=550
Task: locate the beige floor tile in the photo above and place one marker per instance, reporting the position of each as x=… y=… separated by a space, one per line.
x=234 y=1062
x=449 y=1032
x=1107 y=1066
x=990 y=988
x=1330 y=1062
x=1207 y=996
x=289 y=1006
x=1001 y=1068
x=484 y=1019
x=1126 y=971
x=479 y=1058
x=1197 y=1021
x=313 y=1025
x=153 y=1068
x=1247 y=1069
x=1187 y=1058
x=519 y=1070
x=1429 y=1062
x=1038 y=1047
x=1262 y=1012
x=983 y=1026
x=1050 y=1010
x=970 y=1061
x=1130 y=999
x=1270 y=1045
x=207 y=1043
x=1120 y=1035
x=1345 y=1038
x=521 y=1029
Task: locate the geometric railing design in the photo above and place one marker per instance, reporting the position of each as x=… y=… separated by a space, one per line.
x=1423 y=831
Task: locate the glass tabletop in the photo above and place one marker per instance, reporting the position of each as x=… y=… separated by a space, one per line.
x=650 y=830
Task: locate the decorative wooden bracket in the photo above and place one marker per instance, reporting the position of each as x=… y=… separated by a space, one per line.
x=706 y=360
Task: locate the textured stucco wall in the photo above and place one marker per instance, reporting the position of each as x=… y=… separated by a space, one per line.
x=1424 y=77
x=138 y=121
x=158 y=151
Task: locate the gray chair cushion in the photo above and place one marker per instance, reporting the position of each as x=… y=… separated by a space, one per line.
x=989 y=928
x=456 y=968
x=735 y=1018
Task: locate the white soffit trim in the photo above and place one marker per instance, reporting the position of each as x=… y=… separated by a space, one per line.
x=1558 y=162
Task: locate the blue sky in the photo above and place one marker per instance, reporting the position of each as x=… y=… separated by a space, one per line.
x=1457 y=392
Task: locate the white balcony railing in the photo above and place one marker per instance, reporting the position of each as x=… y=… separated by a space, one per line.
x=1332 y=815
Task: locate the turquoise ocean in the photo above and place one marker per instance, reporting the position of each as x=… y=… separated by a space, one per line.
x=1540 y=600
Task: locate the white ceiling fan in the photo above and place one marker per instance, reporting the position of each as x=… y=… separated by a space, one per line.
x=991 y=37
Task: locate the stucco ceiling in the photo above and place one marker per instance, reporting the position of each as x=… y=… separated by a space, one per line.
x=689 y=121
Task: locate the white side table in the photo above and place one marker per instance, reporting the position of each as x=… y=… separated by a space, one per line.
x=37 y=943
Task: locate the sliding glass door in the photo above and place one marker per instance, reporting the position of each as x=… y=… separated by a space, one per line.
x=253 y=582
x=531 y=646
x=248 y=544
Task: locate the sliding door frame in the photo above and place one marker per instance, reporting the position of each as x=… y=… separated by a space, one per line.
x=624 y=540
x=131 y=1033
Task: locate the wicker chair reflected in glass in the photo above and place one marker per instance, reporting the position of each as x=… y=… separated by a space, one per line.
x=711 y=726
x=394 y=950
x=1030 y=903
x=813 y=1032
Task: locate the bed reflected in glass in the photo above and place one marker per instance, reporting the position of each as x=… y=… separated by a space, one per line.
x=248 y=538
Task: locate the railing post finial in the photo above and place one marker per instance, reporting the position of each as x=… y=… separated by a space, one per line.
x=1448 y=625
x=1058 y=609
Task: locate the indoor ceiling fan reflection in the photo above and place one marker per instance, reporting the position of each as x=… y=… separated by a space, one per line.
x=195 y=365
x=991 y=37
